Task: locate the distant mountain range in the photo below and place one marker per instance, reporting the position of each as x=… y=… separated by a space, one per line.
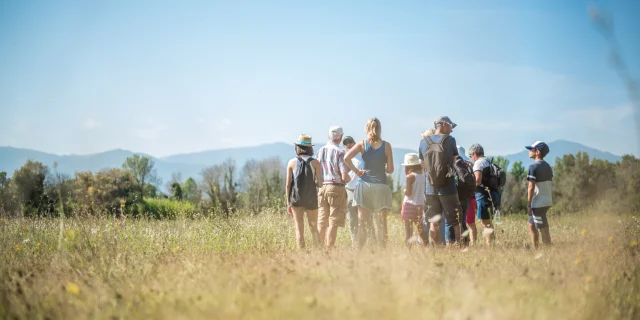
x=190 y=164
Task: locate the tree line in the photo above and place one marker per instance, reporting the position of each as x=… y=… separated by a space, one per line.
x=38 y=190
x=224 y=190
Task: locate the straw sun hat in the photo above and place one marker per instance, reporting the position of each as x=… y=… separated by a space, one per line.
x=304 y=140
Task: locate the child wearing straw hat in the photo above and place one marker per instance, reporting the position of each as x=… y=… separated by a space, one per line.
x=413 y=198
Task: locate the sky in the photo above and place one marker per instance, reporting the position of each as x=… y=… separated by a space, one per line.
x=168 y=77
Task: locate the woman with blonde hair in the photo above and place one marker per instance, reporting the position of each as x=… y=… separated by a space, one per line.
x=372 y=193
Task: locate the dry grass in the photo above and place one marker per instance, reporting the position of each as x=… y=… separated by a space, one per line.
x=248 y=268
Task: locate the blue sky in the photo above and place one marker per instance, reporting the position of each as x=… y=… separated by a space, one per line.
x=166 y=77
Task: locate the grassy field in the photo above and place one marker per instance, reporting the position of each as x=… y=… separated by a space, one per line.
x=249 y=268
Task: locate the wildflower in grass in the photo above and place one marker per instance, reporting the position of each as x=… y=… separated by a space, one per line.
x=72 y=288
x=38 y=244
x=587 y=279
x=578 y=260
x=583 y=231
x=634 y=244
x=18 y=247
x=610 y=239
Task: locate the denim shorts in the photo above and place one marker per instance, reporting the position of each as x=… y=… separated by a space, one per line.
x=485 y=205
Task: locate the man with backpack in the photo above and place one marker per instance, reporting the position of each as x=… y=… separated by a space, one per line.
x=438 y=152
x=332 y=197
x=489 y=179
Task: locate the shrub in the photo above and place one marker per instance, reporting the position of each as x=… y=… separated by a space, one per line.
x=166 y=209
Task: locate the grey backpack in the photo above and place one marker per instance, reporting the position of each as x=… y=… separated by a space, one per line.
x=436 y=162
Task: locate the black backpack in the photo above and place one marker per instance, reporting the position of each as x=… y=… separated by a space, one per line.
x=497 y=177
x=466 y=178
x=303 y=188
x=436 y=162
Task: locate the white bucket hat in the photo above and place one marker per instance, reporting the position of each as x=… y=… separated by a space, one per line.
x=462 y=154
x=411 y=159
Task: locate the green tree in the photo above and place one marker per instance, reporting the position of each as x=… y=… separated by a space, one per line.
x=28 y=187
x=518 y=171
x=211 y=177
x=191 y=192
x=143 y=170
x=5 y=195
x=262 y=183
x=176 y=191
x=230 y=193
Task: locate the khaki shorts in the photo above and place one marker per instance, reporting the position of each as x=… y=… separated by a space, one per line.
x=332 y=205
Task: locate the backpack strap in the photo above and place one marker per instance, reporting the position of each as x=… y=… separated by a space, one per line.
x=444 y=137
x=428 y=140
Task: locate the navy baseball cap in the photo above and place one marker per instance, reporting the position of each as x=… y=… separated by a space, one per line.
x=541 y=146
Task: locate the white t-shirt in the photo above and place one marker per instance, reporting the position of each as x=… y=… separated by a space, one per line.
x=480 y=165
x=354 y=178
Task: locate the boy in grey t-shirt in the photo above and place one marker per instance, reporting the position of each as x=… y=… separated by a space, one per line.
x=539 y=195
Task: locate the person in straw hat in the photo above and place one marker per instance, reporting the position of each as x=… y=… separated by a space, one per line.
x=413 y=198
x=304 y=177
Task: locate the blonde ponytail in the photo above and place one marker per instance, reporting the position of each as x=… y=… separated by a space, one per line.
x=373 y=129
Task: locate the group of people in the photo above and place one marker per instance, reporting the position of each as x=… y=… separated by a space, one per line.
x=350 y=182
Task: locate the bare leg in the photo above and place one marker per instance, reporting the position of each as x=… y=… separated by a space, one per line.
x=486 y=223
x=324 y=209
x=408 y=231
x=473 y=232
x=456 y=231
x=298 y=214
x=312 y=219
x=534 y=235
x=381 y=219
x=363 y=225
x=546 y=237
x=434 y=233
x=332 y=235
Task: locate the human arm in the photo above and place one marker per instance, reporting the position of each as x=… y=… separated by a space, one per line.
x=531 y=177
x=350 y=155
x=456 y=155
x=317 y=168
x=389 y=151
x=344 y=170
x=530 y=191
x=288 y=187
x=478 y=169
x=423 y=145
x=478 y=175
x=408 y=191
